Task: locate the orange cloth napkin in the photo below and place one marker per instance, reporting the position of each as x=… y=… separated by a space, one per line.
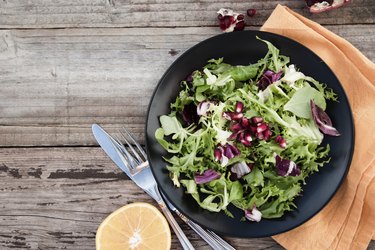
x=348 y=221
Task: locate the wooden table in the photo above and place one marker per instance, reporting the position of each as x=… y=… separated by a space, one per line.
x=66 y=64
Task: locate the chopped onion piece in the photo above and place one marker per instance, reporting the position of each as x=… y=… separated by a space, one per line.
x=253 y=215
x=240 y=169
x=203 y=107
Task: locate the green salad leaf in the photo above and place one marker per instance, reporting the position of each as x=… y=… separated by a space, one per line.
x=299 y=104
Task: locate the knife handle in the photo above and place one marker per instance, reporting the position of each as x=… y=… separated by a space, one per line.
x=185 y=243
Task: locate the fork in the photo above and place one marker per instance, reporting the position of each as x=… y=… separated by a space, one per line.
x=135 y=159
x=141 y=174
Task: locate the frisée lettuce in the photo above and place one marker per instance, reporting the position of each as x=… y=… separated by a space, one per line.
x=246 y=135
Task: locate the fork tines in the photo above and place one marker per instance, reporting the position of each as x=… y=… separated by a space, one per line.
x=136 y=157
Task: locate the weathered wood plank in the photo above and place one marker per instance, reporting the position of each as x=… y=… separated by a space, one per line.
x=55 y=83
x=55 y=198
x=166 y=13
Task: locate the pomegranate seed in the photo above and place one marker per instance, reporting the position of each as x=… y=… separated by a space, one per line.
x=281 y=141
x=267 y=134
x=232 y=116
x=239 y=107
x=245 y=122
x=247 y=136
x=256 y=119
x=235 y=127
x=260 y=136
x=237 y=116
x=251 y=12
x=233 y=136
x=278 y=138
x=228 y=20
x=240 y=26
x=246 y=143
x=222 y=25
x=253 y=129
x=262 y=127
x=240 y=17
x=240 y=136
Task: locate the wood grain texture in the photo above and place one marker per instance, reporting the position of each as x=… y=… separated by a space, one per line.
x=66 y=64
x=56 y=82
x=55 y=198
x=159 y=13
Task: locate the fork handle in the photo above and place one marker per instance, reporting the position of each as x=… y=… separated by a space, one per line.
x=212 y=239
x=185 y=243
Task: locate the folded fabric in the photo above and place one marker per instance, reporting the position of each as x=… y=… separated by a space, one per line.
x=348 y=221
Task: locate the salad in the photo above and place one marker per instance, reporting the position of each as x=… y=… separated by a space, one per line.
x=247 y=135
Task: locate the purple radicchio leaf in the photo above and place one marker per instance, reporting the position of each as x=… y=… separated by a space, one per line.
x=231 y=151
x=218 y=153
x=253 y=214
x=268 y=78
x=322 y=120
x=189 y=114
x=207 y=176
x=220 y=156
x=286 y=167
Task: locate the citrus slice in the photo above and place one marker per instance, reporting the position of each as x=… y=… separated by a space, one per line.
x=135 y=226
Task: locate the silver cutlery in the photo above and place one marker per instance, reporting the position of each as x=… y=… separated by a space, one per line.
x=143 y=177
x=133 y=162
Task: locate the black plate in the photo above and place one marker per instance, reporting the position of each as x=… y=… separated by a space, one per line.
x=244 y=48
